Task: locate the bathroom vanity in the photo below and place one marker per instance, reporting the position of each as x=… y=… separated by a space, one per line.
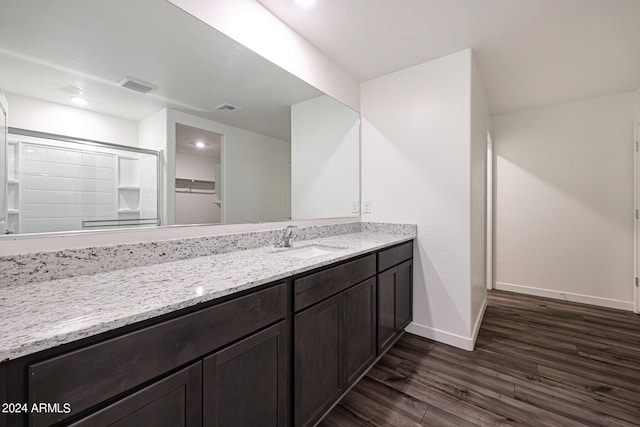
x=280 y=349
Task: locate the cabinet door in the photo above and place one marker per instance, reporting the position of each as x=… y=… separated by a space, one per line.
x=404 y=294
x=359 y=329
x=246 y=384
x=318 y=378
x=172 y=402
x=3 y=395
x=386 y=308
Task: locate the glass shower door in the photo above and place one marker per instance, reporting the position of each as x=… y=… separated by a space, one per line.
x=4 y=228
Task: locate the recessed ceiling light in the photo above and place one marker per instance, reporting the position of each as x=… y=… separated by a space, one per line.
x=305 y=3
x=78 y=100
x=200 y=144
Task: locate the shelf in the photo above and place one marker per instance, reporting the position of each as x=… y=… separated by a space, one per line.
x=128 y=210
x=13 y=211
x=13 y=181
x=197 y=181
x=195 y=186
x=129 y=187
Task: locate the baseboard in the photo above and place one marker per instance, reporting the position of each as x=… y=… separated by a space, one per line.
x=448 y=338
x=476 y=326
x=565 y=296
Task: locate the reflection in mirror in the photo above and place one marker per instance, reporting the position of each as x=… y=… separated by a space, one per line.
x=4 y=226
x=67 y=184
x=198 y=154
x=283 y=149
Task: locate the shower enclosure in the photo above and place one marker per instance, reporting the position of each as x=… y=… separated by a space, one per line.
x=58 y=183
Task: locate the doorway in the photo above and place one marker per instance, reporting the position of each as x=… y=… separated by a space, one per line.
x=198 y=178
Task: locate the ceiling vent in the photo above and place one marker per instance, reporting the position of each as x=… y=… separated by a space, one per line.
x=227 y=107
x=136 y=85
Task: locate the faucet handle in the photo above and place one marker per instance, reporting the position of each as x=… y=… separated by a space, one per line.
x=287 y=236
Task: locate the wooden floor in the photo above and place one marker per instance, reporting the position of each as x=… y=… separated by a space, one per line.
x=537 y=362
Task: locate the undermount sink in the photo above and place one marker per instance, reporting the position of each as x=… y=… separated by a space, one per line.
x=310 y=251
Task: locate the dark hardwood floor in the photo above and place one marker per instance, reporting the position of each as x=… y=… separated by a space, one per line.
x=537 y=362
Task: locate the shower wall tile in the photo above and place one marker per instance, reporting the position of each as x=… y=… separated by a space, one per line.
x=35 y=196
x=32 y=152
x=59 y=181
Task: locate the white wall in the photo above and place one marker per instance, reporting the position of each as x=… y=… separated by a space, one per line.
x=416 y=168
x=193 y=166
x=564 y=201
x=49 y=117
x=249 y=23
x=152 y=134
x=637 y=105
x=256 y=178
x=324 y=178
x=479 y=127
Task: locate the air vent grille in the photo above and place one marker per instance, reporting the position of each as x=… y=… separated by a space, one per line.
x=136 y=85
x=228 y=107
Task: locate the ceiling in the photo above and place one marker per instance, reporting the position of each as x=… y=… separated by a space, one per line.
x=52 y=50
x=529 y=53
x=187 y=137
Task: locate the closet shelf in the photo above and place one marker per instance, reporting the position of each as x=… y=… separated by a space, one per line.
x=192 y=180
x=197 y=186
x=129 y=187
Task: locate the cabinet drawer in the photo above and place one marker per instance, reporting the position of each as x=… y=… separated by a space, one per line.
x=392 y=256
x=318 y=286
x=93 y=374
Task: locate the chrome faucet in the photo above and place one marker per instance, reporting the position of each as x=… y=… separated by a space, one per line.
x=285 y=240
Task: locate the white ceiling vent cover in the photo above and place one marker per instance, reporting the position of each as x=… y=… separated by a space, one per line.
x=227 y=107
x=136 y=85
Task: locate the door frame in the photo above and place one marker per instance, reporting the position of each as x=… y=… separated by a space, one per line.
x=4 y=164
x=489 y=214
x=636 y=228
x=176 y=117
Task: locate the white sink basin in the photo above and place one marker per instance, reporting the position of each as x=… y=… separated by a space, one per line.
x=310 y=251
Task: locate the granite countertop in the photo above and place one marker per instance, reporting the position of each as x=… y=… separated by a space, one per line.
x=43 y=315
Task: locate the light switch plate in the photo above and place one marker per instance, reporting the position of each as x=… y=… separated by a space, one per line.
x=355 y=206
x=366 y=206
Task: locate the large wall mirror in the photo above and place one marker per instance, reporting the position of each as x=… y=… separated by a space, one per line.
x=201 y=129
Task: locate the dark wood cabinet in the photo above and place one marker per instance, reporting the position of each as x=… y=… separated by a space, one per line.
x=386 y=308
x=315 y=287
x=174 y=401
x=404 y=295
x=114 y=370
x=334 y=343
x=246 y=384
x=395 y=293
x=3 y=394
x=359 y=329
x=318 y=378
x=93 y=374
